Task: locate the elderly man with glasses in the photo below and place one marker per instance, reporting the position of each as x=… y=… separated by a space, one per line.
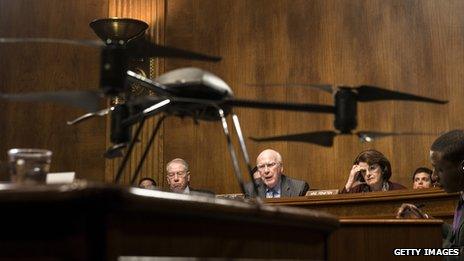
x=272 y=183
x=178 y=177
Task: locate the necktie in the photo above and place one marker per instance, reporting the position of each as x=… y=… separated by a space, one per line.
x=271 y=193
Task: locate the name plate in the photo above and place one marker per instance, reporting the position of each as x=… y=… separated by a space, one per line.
x=322 y=192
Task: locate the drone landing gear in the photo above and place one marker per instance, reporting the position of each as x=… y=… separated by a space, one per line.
x=233 y=155
x=147 y=112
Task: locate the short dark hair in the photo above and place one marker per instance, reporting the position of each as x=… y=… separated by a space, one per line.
x=450 y=145
x=150 y=179
x=422 y=170
x=375 y=157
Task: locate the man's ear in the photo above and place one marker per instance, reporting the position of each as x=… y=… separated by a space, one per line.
x=188 y=176
x=281 y=168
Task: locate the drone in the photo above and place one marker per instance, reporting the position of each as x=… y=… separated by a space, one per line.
x=201 y=95
x=186 y=92
x=346 y=99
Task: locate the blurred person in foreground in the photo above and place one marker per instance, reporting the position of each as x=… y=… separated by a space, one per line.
x=447 y=158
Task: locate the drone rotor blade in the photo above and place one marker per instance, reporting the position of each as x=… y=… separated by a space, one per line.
x=323 y=87
x=369 y=136
x=91 y=43
x=322 y=138
x=142 y=48
x=318 y=108
x=88 y=100
x=371 y=93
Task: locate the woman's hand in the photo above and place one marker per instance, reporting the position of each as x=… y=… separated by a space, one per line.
x=352 y=182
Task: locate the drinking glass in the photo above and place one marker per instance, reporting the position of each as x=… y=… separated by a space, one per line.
x=29 y=166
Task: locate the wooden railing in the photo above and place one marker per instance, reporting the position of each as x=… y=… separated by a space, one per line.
x=435 y=202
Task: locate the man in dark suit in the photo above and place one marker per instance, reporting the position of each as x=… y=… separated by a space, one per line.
x=178 y=177
x=272 y=182
x=447 y=158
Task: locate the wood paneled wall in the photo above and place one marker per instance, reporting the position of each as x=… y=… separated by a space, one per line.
x=413 y=46
x=49 y=67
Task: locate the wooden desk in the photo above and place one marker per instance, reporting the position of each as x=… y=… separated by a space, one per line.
x=101 y=222
x=436 y=202
x=375 y=239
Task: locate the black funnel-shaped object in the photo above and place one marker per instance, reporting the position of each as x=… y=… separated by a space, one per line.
x=118 y=30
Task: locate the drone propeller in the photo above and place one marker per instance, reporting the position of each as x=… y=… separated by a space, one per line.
x=364 y=93
x=91 y=43
x=142 y=48
x=88 y=100
x=322 y=138
x=139 y=48
x=326 y=138
x=368 y=93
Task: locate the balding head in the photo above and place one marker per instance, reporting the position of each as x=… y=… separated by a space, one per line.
x=178 y=175
x=178 y=161
x=270 y=153
x=270 y=167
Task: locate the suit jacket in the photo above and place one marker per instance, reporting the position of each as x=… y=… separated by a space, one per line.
x=454 y=238
x=288 y=188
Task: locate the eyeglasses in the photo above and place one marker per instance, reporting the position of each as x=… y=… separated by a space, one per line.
x=180 y=174
x=374 y=167
x=269 y=165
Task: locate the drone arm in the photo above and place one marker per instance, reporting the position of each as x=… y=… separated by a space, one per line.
x=147 y=112
x=317 y=108
x=90 y=115
x=147 y=83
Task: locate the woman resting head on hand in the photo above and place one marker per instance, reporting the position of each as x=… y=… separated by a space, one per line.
x=371 y=171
